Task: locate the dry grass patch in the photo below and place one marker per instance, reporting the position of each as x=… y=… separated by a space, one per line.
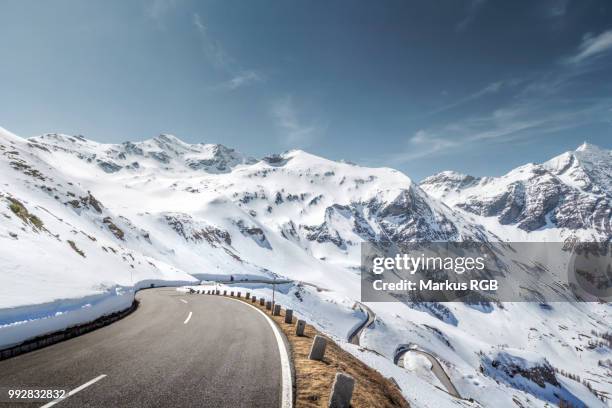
x=22 y=212
x=314 y=378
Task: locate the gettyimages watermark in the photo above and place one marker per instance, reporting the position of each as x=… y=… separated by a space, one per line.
x=476 y=272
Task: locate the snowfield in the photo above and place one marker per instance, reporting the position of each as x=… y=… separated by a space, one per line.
x=83 y=225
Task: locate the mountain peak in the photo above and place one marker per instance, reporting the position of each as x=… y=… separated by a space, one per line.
x=169 y=139
x=588 y=147
x=590 y=154
x=445 y=181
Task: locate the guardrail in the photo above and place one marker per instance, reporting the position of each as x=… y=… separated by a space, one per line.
x=436 y=367
x=68 y=333
x=355 y=334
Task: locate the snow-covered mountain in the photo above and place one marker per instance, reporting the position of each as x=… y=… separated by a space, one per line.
x=570 y=194
x=83 y=223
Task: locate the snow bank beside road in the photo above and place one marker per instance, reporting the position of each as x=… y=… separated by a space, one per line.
x=25 y=322
x=22 y=323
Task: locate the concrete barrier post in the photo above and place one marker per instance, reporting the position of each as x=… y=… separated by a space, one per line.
x=238 y=294
x=289 y=316
x=268 y=305
x=261 y=301
x=254 y=299
x=225 y=293
x=276 y=311
x=299 y=327
x=342 y=391
x=232 y=293
x=317 y=350
x=247 y=296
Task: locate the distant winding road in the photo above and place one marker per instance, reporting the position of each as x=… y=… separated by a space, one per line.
x=355 y=336
x=175 y=350
x=436 y=368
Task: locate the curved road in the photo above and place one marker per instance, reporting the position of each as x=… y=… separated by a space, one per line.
x=436 y=369
x=355 y=336
x=175 y=350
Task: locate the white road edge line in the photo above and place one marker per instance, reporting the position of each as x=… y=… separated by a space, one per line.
x=287 y=393
x=184 y=301
x=77 y=389
x=188 y=317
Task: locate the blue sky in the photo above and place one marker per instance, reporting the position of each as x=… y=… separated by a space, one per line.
x=477 y=86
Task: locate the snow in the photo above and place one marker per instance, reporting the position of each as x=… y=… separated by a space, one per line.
x=421 y=366
x=191 y=212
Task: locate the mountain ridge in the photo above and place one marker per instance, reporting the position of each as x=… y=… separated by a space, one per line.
x=571 y=191
x=82 y=220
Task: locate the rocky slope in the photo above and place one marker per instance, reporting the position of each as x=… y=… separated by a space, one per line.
x=571 y=192
x=83 y=223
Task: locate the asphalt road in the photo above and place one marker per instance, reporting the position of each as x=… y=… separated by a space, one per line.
x=355 y=336
x=436 y=368
x=175 y=350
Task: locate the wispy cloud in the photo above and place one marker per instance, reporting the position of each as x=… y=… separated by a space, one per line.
x=489 y=89
x=473 y=8
x=243 y=78
x=536 y=105
x=157 y=9
x=592 y=46
x=214 y=52
x=555 y=9
x=222 y=60
x=293 y=131
x=539 y=107
x=422 y=144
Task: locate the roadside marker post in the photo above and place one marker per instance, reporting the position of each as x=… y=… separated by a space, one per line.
x=299 y=328
x=342 y=391
x=317 y=350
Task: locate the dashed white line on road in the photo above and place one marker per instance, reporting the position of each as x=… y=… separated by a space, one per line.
x=77 y=389
x=188 y=317
x=183 y=300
